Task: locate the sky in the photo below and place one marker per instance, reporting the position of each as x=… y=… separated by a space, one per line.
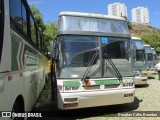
x=51 y=8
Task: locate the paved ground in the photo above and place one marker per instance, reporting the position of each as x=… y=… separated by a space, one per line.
x=147 y=98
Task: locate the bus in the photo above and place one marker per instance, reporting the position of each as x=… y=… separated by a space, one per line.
x=91 y=61
x=155 y=57
x=149 y=57
x=140 y=70
x=23 y=59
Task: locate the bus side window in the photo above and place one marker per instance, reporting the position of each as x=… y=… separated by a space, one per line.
x=33 y=30
x=24 y=19
x=41 y=42
x=15 y=12
x=38 y=40
x=18 y=13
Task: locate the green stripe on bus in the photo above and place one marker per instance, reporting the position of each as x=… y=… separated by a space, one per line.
x=71 y=83
x=15 y=41
x=106 y=82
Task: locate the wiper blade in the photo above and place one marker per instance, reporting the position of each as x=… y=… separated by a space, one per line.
x=95 y=72
x=117 y=73
x=89 y=66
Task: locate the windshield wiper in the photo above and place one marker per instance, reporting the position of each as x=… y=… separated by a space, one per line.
x=116 y=73
x=89 y=66
x=95 y=72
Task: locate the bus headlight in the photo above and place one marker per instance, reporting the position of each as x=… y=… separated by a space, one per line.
x=71 y=88
x=75 y=88
x=67 y=88
x=137 y=73
x=144 y=75
x=127 y=82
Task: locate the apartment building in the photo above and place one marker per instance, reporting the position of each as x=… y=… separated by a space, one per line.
x=140 y=15
x=117 y=9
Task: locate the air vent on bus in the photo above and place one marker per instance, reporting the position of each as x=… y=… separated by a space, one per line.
x=92 y=87
x=111 y=86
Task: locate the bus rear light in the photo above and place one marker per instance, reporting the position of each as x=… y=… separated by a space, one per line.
x=70 y=104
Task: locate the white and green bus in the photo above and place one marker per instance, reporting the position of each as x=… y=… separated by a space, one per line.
x=23 y=61
x=140 y=70
x=91 y=61
x=149 y=57
x=155 y=57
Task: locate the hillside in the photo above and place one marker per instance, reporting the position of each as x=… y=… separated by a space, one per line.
x=138 y=30
x=148 y=34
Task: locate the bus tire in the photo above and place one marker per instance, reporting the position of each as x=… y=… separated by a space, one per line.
x=46 y=85
x=54 y=95
x=17 y=109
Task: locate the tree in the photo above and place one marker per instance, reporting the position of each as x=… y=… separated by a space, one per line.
x=128 y=22
x=38 y=18
x=153 y=40
x=50 y=32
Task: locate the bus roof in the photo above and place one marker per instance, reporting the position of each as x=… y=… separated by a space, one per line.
x=93 y=15
x=136 y=38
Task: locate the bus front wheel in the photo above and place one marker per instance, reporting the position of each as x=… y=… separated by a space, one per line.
x=16 y=109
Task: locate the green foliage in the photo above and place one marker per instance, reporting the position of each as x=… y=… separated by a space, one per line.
x=48 y=30
x=128 y=22
x=153 y=39
x=38 y=18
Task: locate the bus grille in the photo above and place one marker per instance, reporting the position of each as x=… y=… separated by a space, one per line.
x=92 y=87
x=112 y=86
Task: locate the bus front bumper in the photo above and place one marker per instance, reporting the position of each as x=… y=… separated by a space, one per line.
x=86 y=99
x=140 y=80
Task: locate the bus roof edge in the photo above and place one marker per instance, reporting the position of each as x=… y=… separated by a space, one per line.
x=90 y=15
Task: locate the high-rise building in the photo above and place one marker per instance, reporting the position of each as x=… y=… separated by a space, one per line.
x=117 y=9
x=140 y=15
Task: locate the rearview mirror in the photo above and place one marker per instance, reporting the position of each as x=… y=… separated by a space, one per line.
x=52 y=48
x=134 y=48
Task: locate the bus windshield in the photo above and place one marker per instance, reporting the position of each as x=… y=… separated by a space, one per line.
x=149 y=56
x=138 y=44
x=72 y=23
x=117 y=50
x=140 y=55
x=154 y=57
x=148 y=53
x=76 y=53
